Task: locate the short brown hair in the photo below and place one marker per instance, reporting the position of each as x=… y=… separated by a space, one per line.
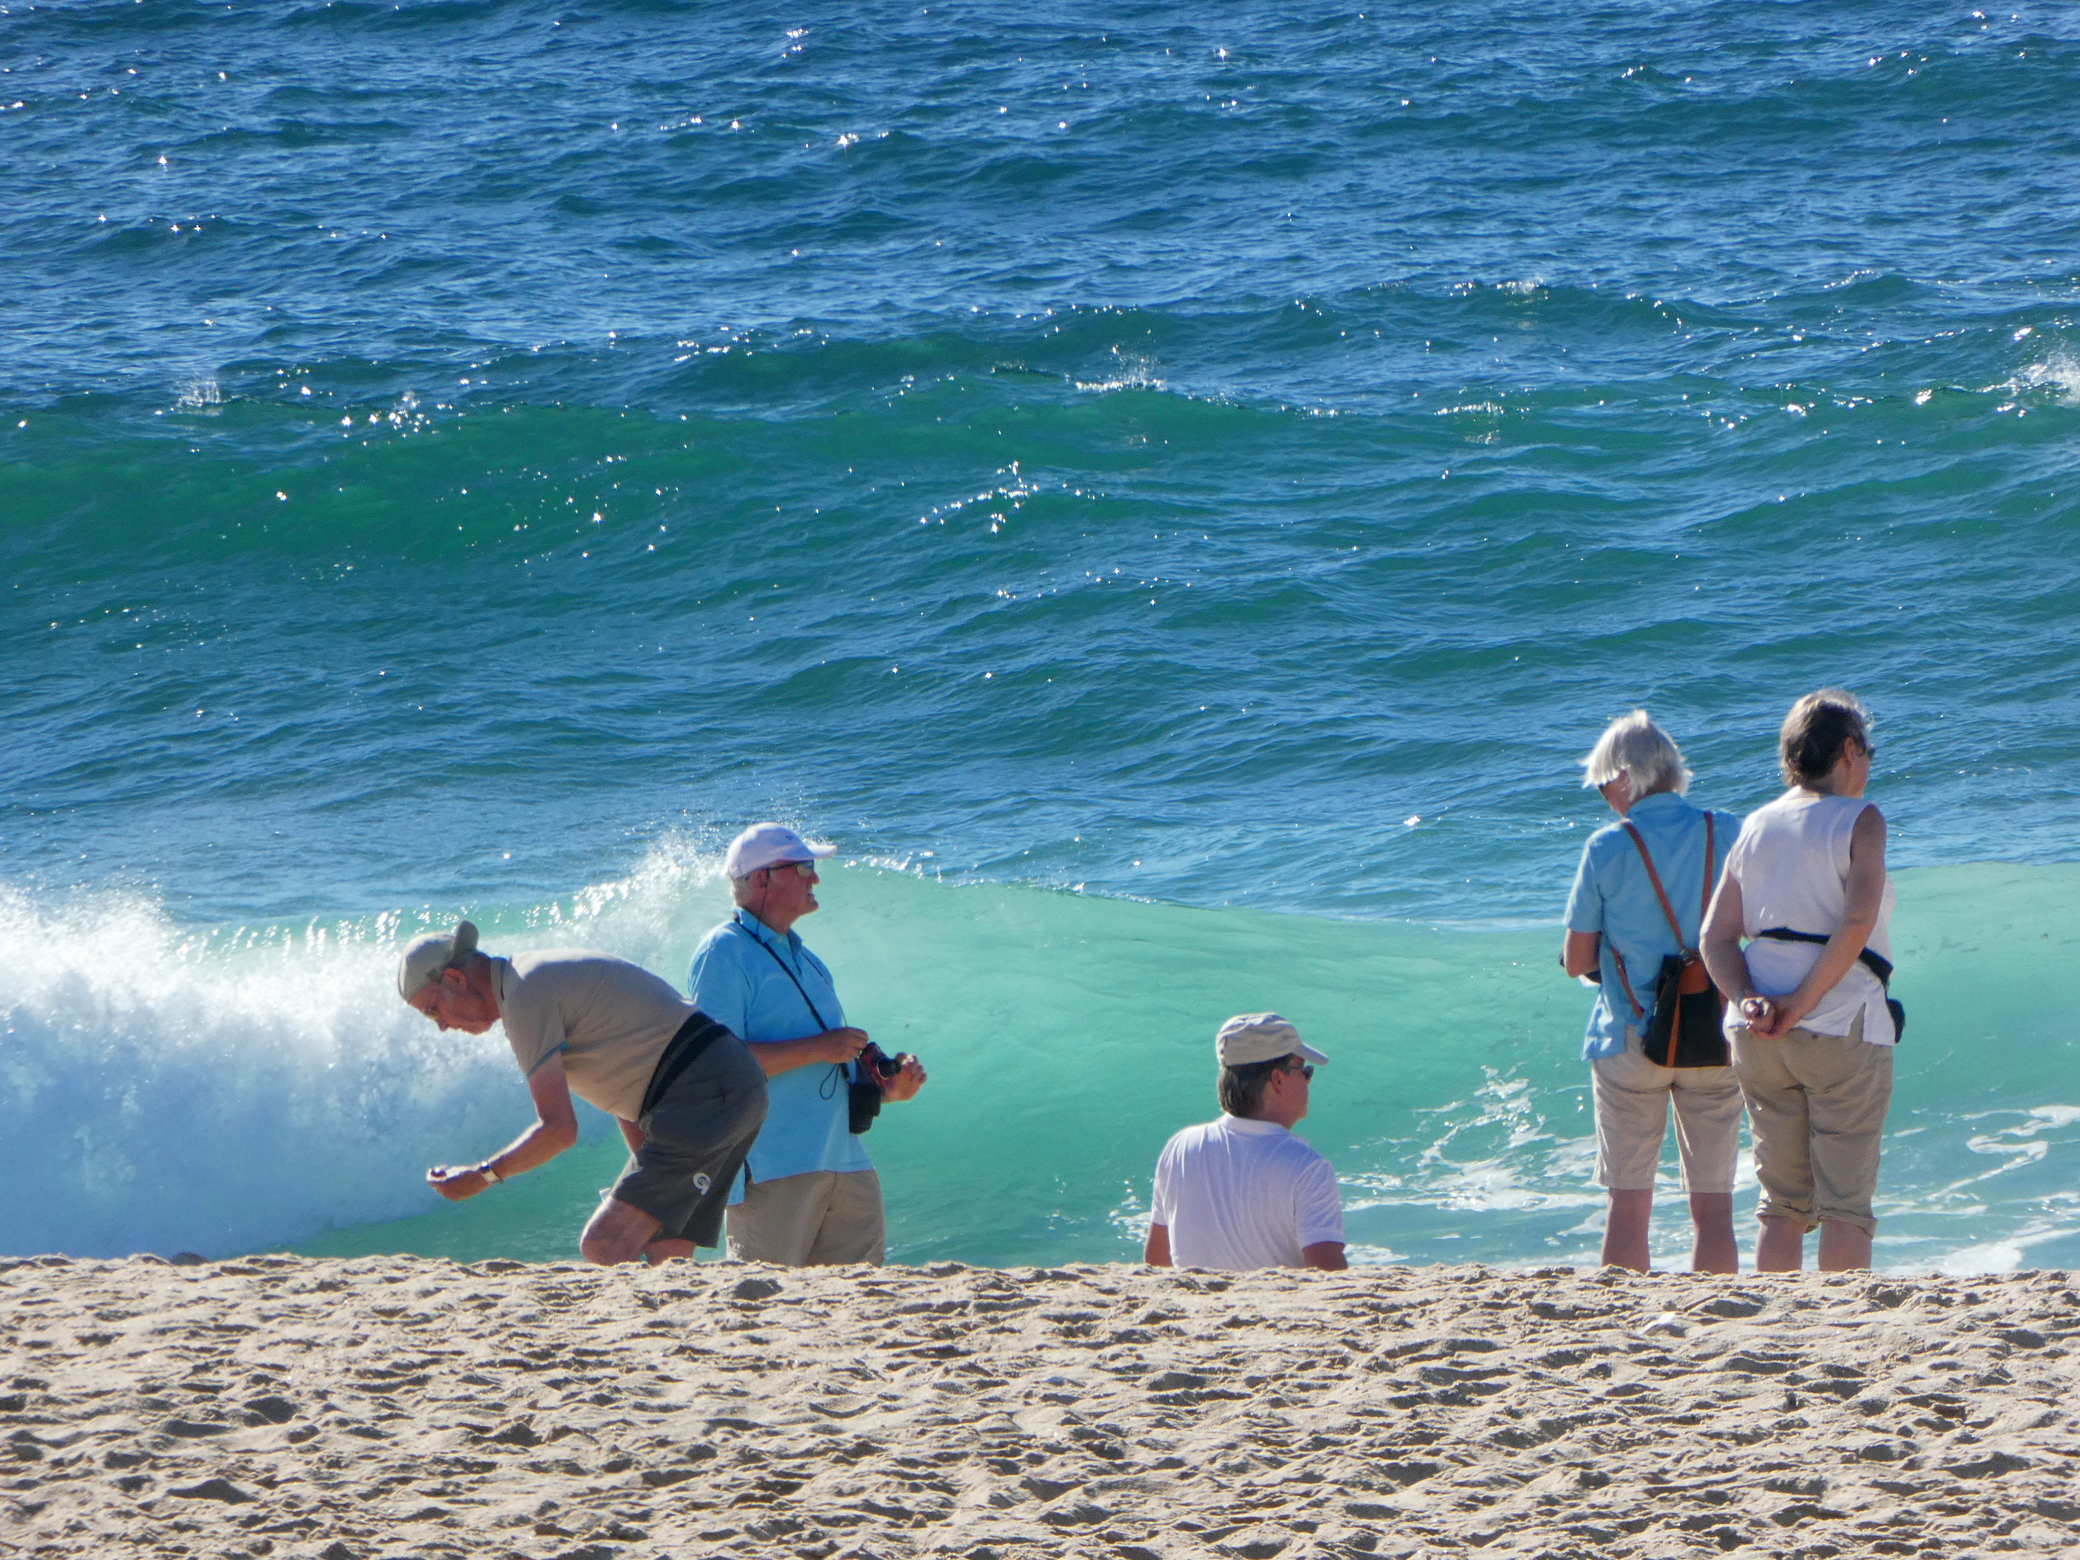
x=1819 y=726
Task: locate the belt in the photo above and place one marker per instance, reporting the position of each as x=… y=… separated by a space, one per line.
x=1876 y=963
x=680 y=1052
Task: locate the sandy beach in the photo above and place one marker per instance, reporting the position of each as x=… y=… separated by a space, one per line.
x=399 y=1406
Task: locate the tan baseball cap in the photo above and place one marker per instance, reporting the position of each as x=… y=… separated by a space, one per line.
x=1261 y=1037
x=426 y=955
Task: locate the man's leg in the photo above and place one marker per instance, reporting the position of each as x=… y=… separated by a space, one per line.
x=664 y=1250
x=854 y=1228
x=618 y=1232
x=778 y=1220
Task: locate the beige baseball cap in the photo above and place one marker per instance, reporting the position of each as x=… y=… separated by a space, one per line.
x=1261 y=1037
x=426 y=955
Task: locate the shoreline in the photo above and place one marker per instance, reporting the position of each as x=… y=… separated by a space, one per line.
x=349 y=1408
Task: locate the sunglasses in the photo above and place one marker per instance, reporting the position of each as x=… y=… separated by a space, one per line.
x=1305 y=1070
x=802 y=868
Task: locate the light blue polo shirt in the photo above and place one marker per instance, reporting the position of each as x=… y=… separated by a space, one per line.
x=1613 y=896
x=737 y=979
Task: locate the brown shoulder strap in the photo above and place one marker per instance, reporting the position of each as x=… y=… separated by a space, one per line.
x=1626 y=981
x=1655 y=878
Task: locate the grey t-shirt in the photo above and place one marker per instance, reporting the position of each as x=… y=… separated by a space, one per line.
x=610 y=1019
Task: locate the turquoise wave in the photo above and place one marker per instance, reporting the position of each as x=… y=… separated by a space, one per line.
x=248 y=1087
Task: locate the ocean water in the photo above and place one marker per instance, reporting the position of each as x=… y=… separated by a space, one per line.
x=1171 y=494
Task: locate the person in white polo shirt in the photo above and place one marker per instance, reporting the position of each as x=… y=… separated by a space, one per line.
x=1243 y=1192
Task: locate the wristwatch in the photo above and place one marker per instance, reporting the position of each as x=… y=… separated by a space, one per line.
x=491 y=1176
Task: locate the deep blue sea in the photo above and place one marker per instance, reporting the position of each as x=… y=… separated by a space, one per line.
x=1171 y=492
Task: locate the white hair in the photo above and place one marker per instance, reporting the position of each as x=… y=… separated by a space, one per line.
x=1633 y=746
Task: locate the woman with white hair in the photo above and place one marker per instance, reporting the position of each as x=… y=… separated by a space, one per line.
x=1638 y=900
x=1812 y=1028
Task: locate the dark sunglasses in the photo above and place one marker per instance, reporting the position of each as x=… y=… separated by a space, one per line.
x=1305 y=1070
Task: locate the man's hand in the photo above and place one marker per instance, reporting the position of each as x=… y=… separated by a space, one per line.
x=555 y=1129
x=775 y=1057
x=456 y=1182
x=905 y=1081
x=843 y=1045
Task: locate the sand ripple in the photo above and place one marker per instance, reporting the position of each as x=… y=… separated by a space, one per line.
x=385 y=1407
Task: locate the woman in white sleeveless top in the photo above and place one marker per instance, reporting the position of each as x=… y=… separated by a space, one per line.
x=1812 y=1038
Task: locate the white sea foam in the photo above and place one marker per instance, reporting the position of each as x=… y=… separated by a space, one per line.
x=1996 y=1256
x=2059 y=373
x=164 y=1089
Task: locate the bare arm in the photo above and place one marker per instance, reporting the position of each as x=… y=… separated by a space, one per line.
x=555 y=1129
x=1581 y=954
x=1324 y=1254
x=631 y=1134
x=1155 y=1251
x=833 y=1045
x=1721 y=942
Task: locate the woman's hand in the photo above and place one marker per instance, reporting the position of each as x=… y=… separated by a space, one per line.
x=1769 y=1018
x=842 y=1046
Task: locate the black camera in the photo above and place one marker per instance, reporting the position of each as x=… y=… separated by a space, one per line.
x=863 y=1098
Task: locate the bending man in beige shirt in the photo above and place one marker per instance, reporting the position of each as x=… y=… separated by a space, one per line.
x=686 y=1093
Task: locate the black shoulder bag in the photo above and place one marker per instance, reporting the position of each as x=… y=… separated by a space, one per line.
x=1687 y=1027
x=862 y=1100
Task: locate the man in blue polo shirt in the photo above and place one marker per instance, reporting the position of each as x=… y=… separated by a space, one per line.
x=813 y=1196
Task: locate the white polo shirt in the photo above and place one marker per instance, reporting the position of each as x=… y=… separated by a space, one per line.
x=1243 y=1194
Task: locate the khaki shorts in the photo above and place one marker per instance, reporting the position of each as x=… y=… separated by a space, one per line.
x=817 y=1219
x=1632 y=1098
x=1816 y=1109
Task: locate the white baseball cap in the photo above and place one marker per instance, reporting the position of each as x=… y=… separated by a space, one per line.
x=1261 y=1037
x=426 y=955
x=770 y=845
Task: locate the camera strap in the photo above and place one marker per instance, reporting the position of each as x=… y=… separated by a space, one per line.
x=839 y=1070
x=770 y=953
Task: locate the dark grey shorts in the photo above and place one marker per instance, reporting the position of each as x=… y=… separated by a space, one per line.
x=694 y=1143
